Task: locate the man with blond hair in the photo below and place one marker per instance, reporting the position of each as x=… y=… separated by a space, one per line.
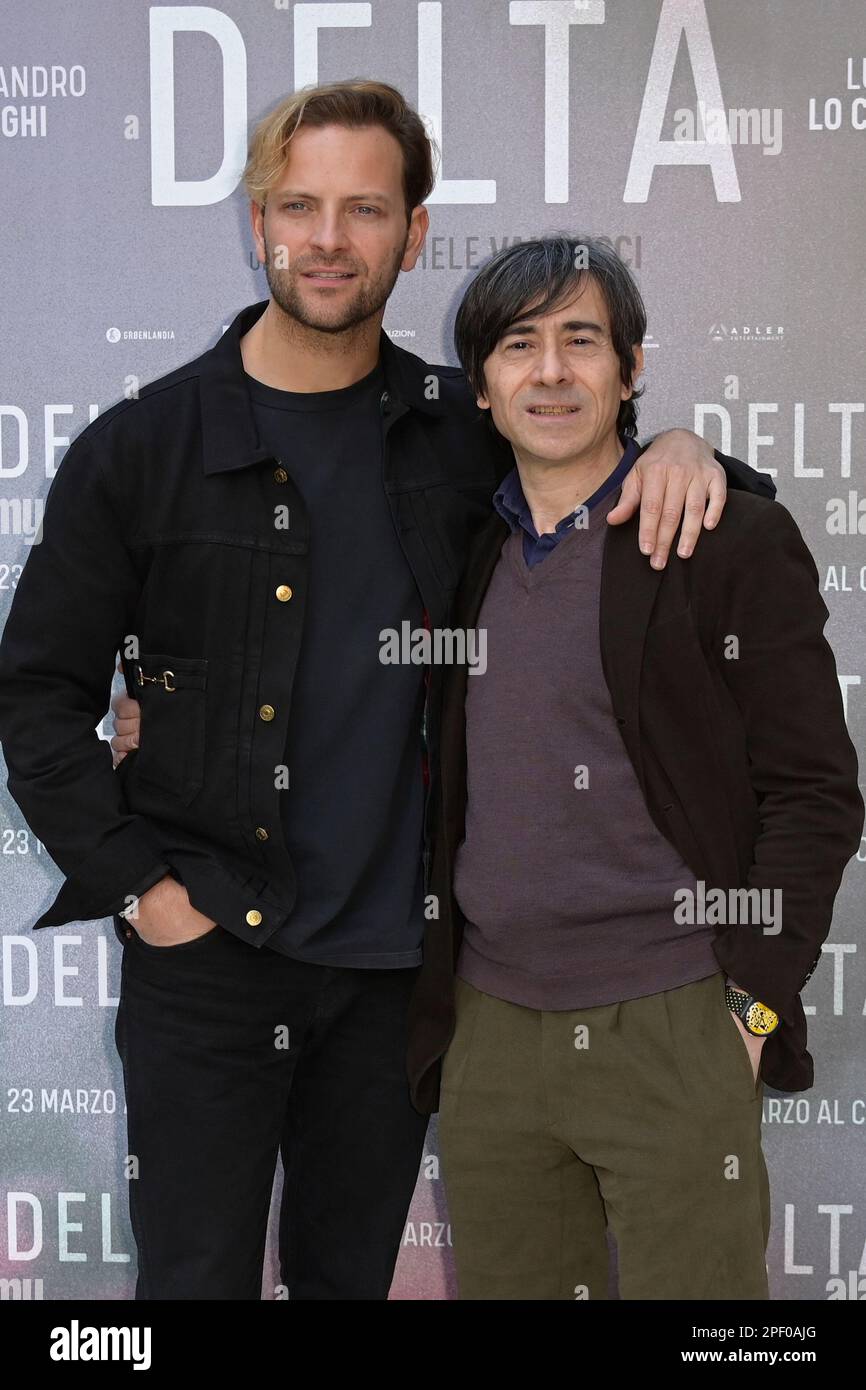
x=242 y=532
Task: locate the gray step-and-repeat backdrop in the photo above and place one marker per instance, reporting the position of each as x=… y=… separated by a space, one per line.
x=720 y=145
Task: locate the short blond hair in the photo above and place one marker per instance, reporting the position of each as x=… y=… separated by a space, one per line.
x=355 y=103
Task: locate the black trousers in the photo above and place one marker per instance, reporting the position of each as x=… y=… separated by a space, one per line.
x=231 y=1055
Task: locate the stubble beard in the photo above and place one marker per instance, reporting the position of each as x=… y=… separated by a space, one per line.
x=367 y=301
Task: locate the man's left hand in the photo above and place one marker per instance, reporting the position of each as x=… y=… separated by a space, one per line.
x=676 y=477
x=754 y=1043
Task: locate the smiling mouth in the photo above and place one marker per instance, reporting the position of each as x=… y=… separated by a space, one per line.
x=329 y=275
x=553 y=409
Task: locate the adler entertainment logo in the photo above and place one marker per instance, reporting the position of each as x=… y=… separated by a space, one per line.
x=746 y=333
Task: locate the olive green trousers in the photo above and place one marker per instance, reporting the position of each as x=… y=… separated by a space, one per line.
x=643 y=1117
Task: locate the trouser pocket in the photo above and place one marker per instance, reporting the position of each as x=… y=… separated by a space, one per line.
x=196 y=943
x=733 y=1045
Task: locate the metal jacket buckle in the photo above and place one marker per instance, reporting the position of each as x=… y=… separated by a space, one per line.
x=161 y=679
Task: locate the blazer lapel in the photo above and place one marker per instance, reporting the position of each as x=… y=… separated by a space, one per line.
x=482 y=560
x=629 y=586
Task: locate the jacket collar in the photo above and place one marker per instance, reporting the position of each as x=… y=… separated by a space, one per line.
x=229 y=436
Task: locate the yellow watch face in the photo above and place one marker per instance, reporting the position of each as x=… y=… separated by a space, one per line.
x=761 y=1019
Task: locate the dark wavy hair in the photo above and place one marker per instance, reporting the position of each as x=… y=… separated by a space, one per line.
x=540 y=276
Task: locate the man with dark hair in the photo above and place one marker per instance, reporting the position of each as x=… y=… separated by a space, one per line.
x=555 y=267
x=646 y=804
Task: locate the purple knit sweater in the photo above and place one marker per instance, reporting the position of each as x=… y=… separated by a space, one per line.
x=568 y=890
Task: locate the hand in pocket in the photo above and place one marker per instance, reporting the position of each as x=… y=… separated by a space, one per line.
x=166 y=917
x=754 y=1046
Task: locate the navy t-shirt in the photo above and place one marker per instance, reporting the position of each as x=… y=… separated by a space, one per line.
x=353 y=810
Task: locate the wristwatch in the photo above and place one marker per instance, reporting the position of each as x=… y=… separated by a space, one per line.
x=758 y=1019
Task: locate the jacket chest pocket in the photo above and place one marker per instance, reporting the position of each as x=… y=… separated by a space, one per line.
x=172 y=693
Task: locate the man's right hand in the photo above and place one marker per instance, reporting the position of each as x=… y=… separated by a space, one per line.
x=166 y=917
x=127 y=724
